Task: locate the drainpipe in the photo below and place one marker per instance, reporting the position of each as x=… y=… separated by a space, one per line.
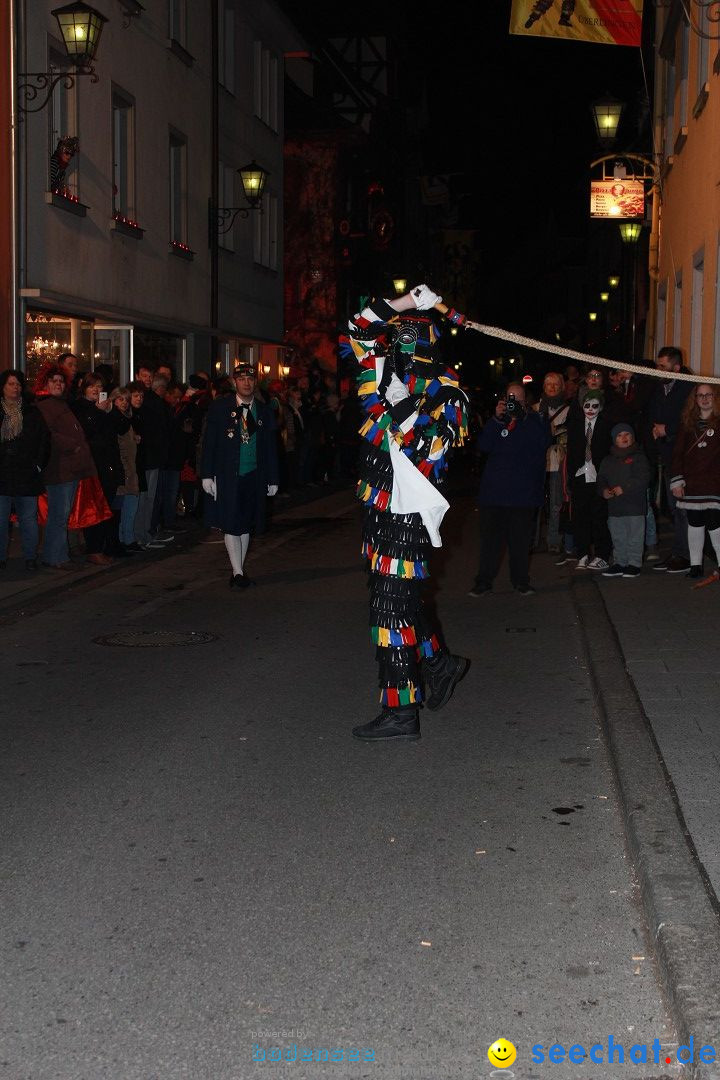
x=214 y=178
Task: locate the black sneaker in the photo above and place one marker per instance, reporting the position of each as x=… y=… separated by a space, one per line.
x=480 y=590
x=695 y=572
x=613 y=571
x=525 y=590
x=663 y=564
x=678 y=565
x=565 y=557
x=631 y=571
x=402 y=725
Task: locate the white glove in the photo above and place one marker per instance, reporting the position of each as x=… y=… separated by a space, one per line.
x=424 y=298
x=396 y=391
x=210 y=487
x=272 y=489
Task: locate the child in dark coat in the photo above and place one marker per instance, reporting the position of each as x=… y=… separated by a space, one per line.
x=623 y=479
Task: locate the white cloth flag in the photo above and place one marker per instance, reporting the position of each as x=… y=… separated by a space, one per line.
x=412 y=493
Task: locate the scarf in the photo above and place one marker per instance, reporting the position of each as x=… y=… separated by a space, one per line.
x=12 y=421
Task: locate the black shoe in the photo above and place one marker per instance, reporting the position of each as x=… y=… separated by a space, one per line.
x=443 y=675
x=399 y=724
x=133 y=547
x=677 y=565
x=613 y=571
x=480 y=590
x=525 y=590
x=31 y=564
x=240 y=581
x=695 y=572
x=631 y=571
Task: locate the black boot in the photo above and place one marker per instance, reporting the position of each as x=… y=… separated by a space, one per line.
x=444 y=672
x=400 y=724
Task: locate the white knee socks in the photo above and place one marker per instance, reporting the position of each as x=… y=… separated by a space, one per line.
x=714 y=535
x=696 y=541
x=237 y=550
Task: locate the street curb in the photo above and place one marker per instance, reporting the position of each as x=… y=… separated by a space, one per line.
x=680 y=906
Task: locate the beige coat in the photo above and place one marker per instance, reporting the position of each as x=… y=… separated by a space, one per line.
x=128 y=454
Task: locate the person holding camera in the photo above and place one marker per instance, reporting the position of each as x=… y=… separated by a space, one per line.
x=512 y=488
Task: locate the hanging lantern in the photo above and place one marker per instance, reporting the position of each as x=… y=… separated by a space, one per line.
x=81 y=27
x=253 y=178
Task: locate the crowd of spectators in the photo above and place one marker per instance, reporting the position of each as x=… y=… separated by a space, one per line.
x=120 y=463
x=619 y=449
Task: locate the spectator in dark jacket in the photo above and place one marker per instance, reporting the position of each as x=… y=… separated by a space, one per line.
x=24 y=453
x=153 y=423
x=70 y=462
x=622 y=481
x=512 y=487
x=102 y=425
x=664 y=412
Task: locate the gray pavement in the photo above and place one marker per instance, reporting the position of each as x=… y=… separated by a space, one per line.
x=197 y=858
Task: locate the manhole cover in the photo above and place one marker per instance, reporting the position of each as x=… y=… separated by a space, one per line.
x=155 y=639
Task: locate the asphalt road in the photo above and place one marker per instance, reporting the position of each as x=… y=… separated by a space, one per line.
x=199 y=863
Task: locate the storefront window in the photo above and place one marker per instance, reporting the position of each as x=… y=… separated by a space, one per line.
x=48 y=336
x=154 y=347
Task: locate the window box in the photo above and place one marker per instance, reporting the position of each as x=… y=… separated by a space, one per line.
x=65 y=200
x=701 y=100
x=181 y=250
x=681 y=139
x=126 y=227
x=182 y=54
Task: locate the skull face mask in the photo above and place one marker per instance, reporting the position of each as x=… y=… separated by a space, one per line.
x=592 y=405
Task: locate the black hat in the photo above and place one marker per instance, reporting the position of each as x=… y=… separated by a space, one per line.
x=244 y=369
x=196 y=382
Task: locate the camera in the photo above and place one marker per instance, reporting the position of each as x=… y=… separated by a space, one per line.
x=511 y=405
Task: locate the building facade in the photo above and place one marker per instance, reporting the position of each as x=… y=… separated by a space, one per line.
x=123 y=252
x=687 y=107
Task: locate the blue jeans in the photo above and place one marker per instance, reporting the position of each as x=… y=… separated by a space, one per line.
x=146 y=502
x=26 y=510
x=55 y=544
x=127 y=505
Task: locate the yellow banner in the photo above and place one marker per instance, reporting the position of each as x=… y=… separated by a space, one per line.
x=606 y=22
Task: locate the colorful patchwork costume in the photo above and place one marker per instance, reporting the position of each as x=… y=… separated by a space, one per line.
x=416 y=412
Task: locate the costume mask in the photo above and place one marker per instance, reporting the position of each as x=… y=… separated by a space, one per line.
x=412 y=347
x=591 y=408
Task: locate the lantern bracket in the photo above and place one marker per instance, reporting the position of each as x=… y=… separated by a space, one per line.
x=32 y=84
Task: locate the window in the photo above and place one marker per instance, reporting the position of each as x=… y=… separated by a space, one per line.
x=226 y=45
x=661 y=321
x=266 y=86
x=123 y=117
x=178 y=21
x=178 y=188
x=703 y=47
x=265 y=233
x=696 y=309
x=677 y=309
x=682 y=77
x=226 y=199
x=669 y=109
x=62 y=125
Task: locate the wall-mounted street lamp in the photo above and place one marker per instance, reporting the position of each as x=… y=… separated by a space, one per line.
x=613 y=281
x=604 y=296
x=592 y=316
x=253 y=178
x=630 y=231
x=606 y=114
x=81 y=28
x=400 y=286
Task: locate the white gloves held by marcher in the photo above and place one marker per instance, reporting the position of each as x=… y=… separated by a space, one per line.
x=396 y=391
x=272 y=489
x=210 y=487
x=424 y=298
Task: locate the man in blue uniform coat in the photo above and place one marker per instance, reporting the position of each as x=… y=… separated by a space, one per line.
x=239 y=468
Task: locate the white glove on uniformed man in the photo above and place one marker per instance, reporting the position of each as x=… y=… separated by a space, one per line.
x=210 y=487
x=272 y=489
x=424 y=298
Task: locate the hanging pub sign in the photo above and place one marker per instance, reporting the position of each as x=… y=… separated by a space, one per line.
x=620 y=199
x=606 y=22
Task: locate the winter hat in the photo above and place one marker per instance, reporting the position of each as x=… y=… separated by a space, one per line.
x=619 y=428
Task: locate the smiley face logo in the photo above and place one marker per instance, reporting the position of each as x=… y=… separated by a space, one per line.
x=501 y=1054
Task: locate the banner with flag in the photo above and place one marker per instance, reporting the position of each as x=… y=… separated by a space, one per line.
x=605 y=22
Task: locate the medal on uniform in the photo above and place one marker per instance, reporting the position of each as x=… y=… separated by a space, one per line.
x=710 y=432
x=504 y=433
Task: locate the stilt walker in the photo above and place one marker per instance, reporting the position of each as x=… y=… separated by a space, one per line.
x=416 y=412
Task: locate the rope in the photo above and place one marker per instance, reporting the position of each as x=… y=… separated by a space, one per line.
x=589 y=358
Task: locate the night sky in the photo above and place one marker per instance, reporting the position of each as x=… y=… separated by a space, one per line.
x=512 y=116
